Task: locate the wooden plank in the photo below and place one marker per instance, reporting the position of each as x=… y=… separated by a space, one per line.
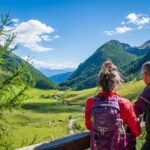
x=79 y=141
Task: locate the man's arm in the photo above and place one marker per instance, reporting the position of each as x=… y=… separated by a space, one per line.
x=142 y=101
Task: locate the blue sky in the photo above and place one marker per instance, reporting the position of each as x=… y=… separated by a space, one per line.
x=63 y=33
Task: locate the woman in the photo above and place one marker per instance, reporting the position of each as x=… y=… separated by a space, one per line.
x=106 y=114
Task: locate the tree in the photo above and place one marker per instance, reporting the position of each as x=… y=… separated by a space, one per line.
x=14 y=82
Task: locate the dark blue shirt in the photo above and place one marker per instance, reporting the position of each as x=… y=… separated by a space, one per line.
x=143 y=101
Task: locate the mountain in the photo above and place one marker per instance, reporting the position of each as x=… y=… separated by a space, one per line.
x=140 y=50
x=146 y=45
x=51 y=72
x=41 y=80
x=14 y=61
x=87 y=73
x=134 y=68
x=60 y=77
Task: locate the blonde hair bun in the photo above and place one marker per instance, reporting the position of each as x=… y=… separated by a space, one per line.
x=109 y=66
x=109 y=76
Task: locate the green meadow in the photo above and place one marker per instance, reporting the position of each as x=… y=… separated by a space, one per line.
x=45 y=114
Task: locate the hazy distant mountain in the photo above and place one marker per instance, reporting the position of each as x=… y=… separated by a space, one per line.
x=60 y=77
x=51 y=72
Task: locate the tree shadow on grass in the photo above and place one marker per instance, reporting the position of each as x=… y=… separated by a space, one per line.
x=51 y=108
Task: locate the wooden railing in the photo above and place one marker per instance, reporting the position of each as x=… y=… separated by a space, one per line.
x=79 y=141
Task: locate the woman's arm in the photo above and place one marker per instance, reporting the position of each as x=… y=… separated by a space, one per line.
x=88 y=107
x=132 y=120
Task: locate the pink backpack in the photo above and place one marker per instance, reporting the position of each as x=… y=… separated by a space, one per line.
x=107 y=127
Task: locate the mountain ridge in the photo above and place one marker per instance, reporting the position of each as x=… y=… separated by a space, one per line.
x=121 y=54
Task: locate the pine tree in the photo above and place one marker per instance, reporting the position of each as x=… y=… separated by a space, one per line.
x=14 y=83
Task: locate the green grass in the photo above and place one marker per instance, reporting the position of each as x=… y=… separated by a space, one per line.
x=44 y=115
x=41 y=119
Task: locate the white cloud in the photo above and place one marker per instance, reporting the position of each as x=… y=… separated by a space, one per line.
x=56 y=37
x=15 y=20
x=46 y=38
x=109 y=33
x=133 y=22
x=118 y=30
x=51 y=65
x=132 y=18
x=31 y=34
x=140 y=27
x=123 y=23
x=138 y=19
x=123 y=29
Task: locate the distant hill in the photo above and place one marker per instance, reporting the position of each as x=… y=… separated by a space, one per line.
x=41 y=81
x=60 y=77
x=145 y=45
x=141 y=50
x=86 y=74
x=51 y=72
x=134 y=68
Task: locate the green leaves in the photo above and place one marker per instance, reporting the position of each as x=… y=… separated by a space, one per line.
x=15 y=79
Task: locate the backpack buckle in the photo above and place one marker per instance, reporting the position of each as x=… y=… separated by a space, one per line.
x=102 y=130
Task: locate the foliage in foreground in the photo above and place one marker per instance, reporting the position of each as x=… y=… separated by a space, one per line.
x=13 y=84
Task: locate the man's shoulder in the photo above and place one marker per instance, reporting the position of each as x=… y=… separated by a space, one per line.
x=146 y=92
x=145 y=95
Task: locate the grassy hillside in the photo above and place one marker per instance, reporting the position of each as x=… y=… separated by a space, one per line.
x=45 y=114
x=14 y=61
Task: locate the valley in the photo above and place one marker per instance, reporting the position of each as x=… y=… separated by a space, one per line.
x=51 y=114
